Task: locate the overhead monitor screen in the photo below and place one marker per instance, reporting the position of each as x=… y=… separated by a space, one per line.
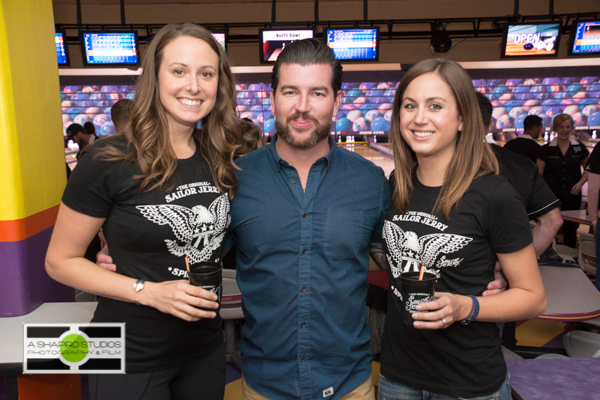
x=531 y=40
x=360 y=44
x=585 y=38
x=61 y=49
x=274 y=41
x=220 y=37
x=110 y=48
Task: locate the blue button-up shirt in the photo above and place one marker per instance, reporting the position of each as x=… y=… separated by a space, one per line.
x=302 y=258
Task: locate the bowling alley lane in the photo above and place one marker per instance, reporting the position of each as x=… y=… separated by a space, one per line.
x=379 y=159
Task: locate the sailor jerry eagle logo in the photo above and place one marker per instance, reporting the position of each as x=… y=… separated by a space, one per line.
x=199 y=231
x=407 y=251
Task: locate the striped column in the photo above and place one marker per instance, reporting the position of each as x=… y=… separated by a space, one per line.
x=32 y=161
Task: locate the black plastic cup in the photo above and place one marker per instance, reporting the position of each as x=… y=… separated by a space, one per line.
x=208 y=276
x=415 y=291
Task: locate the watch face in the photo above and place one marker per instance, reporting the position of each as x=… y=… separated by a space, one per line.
x=138 y=285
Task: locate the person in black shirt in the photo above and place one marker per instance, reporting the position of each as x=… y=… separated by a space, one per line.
x=160 y=190
x=593 y=169
x=452 y=214
x=560 y=163
x=526 y=144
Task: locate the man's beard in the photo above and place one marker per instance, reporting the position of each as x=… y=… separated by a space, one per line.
x=319 y=133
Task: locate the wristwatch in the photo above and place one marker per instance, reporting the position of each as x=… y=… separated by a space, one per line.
x=138 y=285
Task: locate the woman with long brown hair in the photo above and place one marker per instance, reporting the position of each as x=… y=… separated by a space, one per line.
x=560 y=162
x=452 y=214
x=160 y=191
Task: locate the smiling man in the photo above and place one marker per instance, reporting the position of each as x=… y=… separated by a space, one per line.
x=303 y=218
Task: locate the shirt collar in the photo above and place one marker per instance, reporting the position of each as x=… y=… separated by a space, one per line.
x=333 y=149
x=526 y=136
x=554 y=142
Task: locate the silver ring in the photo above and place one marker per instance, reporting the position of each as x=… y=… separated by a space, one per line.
x=443 y=322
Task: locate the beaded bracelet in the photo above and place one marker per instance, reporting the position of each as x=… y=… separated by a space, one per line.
x=474 y=311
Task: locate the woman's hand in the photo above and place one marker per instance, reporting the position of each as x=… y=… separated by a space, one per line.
x=446 y=309
x=576 y=189
x=180 y=299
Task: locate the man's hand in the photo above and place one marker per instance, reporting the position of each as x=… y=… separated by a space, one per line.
x=104 y=260
x=498 y=285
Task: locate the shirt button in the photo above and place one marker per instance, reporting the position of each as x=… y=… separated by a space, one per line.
x=293 y=181
x=304 y=251
x=304 y=215
x=303 y=324
x=281 y=162
x=303 y=289
x=302 y=358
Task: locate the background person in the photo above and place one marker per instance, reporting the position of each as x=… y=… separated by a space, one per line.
x=468 y=219
x=153 y=188
x=560 y=163
x=120 y=113
x=593 y=169
x=526 y=144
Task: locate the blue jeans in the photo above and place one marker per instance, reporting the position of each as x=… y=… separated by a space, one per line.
x=389 y=390
x=597 y=280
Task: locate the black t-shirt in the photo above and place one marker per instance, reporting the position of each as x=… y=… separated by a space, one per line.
x=149 y=236
x=524 y=146
x=593 y=164
x=523 y=175
x=562 y=172
x=460 y=361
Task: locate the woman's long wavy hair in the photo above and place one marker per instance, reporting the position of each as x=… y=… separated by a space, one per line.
x=148 y=129
x=473 y=156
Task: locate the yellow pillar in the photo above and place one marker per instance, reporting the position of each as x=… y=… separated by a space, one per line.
x=32 y=162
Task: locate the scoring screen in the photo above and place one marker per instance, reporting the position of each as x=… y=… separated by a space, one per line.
x=353 y=44
x=110 y=48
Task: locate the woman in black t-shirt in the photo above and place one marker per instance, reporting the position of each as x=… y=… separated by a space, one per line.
x=560 y=162
x=452 y=214
x=160 y=190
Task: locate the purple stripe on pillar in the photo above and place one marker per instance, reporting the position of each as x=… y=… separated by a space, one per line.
x=24 y=283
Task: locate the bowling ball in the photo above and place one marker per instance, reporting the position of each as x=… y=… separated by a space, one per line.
x=266 y=102
x=579 y=119
x=269 y=126
x=367 y=106
x=550 y=81
x=93 y=111
x=126 y=88
x=538 y=89
x=524 y=96
x=340 y=114
x=248 y=114
x=500 y=89
x=580 y=96
x=107 y=110
x=546 y=121
x=343 y=125
x=506 y=97
x=347 y=85
x=258 y=123
x=498 y=112
x=520 y=89
x=504 y=122
x=380 y=124
x=101 y=119
x=477 y=83
x=374 y=93
x=371 y=115
x=575 y=87
x=354 y=115
x=594 y=120
x=130 y=96
x=547 y=104
x=66 y=104
x=586 y=80
x=360 y=124
x=590 y=109
x=349 y=107
x=71 y=89
x=572 y=109
x=74 y=110
x=109 y=89
x=81 y=119
x=115 y=96
x=519 y=121
x=257 y=109
x=89 y=89
x=513 y=82
x=107 y=129
x=97 y=96
x=267 y=114
x=495 y=82
x=255 y=87
x=240 y=87
x=528 y=46
x=85 y=103
x=67 y=118
x=384 y=85
x=241 y=108
x=384 y=107
x=360 y=100
x=380 y=100
x=531 y=103
x=80 y=96
x=585 y=102
x=531 y=81
x=567 y=102
x=552 y=111
x=593 y=87
x=366 y=85
x=539 y=111
x=557 y=88
x=245 y=95
x=388 y=115
x=390 y=93
x=516 y=112
x=543 y=95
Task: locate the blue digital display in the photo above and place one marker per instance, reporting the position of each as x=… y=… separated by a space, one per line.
x=585 y=38
x=61 y=49
x=110 y=48
x=353 y=44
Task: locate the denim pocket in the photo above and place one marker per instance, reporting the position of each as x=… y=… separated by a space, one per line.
x=344 y=233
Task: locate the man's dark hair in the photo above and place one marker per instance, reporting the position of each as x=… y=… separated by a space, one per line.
x=73 y=130
x=89 y=128
x=532 y=122
x=120 y=112
x=486 y=109
x=308 y=52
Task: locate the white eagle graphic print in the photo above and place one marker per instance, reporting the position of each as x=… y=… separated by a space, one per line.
x=407 y=251
x=199 y=231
